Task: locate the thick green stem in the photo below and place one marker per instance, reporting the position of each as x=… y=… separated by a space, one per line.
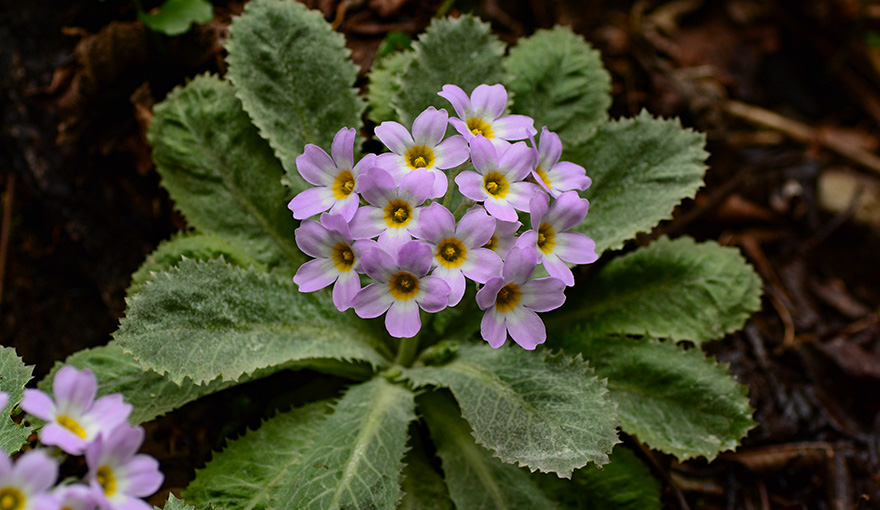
x=407 y=351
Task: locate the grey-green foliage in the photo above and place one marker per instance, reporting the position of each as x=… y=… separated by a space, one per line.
x=672 y=399
x=14 y=374
x=203 y=320
x=476 y=480
x=252 y=469
x=559 y=80
x=174 y=503
x=676 y=289
x=641 y=169
x=625 y=483
x=294 y=77
x=549 y=413
x=220 y=173
x=385 y=85
x=423 y=486
x=461 y=51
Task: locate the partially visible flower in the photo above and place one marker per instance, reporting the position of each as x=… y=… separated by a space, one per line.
x=504 y=237
x=424 y=149
x=394 y=211
x=336 y=179
x=337 y=258
x=4 y=399
x=75 y=418
x=117 y=474
x=548 y=236
x=458 y=251
x=401 y=288
x=511 y=301
x=553 y=175
x=25 y=485
x=75 y=497
x=481 y=114
x=498 y=181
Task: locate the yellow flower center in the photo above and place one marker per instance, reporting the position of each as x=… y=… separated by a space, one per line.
x=397 y=213
x=343 y=257
x=12 y=499
x=71 y=425
x=496 y=184
x=493 y=243
x=479 y=126
x=343 y=185
x=419 y=156
x=543 y=175
x=451 y=253
x=107 y=480
x=403 y=286
x=546 y=238
x=508 y=297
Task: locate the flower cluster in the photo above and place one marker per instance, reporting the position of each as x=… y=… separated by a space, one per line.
x=79 y=424
x=387 y=217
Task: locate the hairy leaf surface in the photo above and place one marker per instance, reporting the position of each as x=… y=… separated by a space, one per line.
x=676 y=289
x=476 y=480
x=205 y=320
x=249 y=472
x=385 y=85
x=423 y=487
x=294 y=77
x=641 y=169
x=673 y=399
x=221 y=175
x=625 y=483
x=460 y=51
x=175 y=504
x=558 y=79
x=355 y=460
x=14 y=374
x=549 y=413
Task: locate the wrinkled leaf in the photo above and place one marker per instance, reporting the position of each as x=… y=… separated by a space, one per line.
x=549 y=413
x=175 y=504
x=174 y=17
x=14 y=374
x=205 y=320
x=385 y=85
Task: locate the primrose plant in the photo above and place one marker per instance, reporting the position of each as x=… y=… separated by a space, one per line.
x=395 y=276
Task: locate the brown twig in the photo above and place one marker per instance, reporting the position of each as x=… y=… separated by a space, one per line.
x=7 y=224
x=664 y=474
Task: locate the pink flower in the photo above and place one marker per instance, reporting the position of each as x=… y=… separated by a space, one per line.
x=511 y=301
x=548 y=236
x=424 y=149
x=119 y=477
x=553 y=175
x=504 y=237
x=498 y=181
x=481 y=114
x=75 y=418
x=401 y=288
x=458 y=251
x=337 y=258
x=25 y=485
x=336 y=179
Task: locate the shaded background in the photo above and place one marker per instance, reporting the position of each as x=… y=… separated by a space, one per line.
x=788 y=93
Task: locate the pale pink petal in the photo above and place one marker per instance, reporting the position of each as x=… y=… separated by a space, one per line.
x=500 y=209
x=514 y=127
x=483 y=155
x=458 y=98
x=128 y=504
x=538 y=207
x=430 y=127
x=549 y=149
x=517 y=161
x=346 y=207
x=377 y=187
x=489 y=101
x=481 y=265
x=402 y=319
x=367 y=222
x=519 y=265
x=4 y=399
x=415 y=257
x=365 y=163
x=372 y=301
x=338 y=224
x=568 y=210
x=455 y=282
x=144 y=477
x=462 y=128
x=56 y=435
x=470 y=184
x=315 y=166
x=342 y=148
x=416 y=186
x=378 y=264
x=526 y=328
x=575 y=248
x=5 y=467
x=110 y=410
x=565 y=176
x=556 y=267
x=311 y=202
x=433 y=294
x=528 y=240
x=543 y=294
x=36 y=471
x=486 y=296
x=315 y=274
x=492 y=328
x=347 y=286
x=394 y=136
x=451 y=152
x=436 y=223
x=392 y=239
x=441 y=183
x=520 y=194
x=38 y=404
x=74 y=389
x=313 y=239
x=475 y=228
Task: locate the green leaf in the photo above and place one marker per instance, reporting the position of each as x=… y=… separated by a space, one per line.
x=175 y=504
x=475 y=479
x=190 y=245
x=550 y=413
x=221 y=175
x=558 y=79
x=673 y=399
x=174 y=17
x=385 y=85
x=354 y=460
x=641 y=169
x=459 y=51
x=251 y=469
x=675 y=289
x=14 y=374
x=625 y=483
x=423 y=487
x=205 y=320
x=293 y=75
